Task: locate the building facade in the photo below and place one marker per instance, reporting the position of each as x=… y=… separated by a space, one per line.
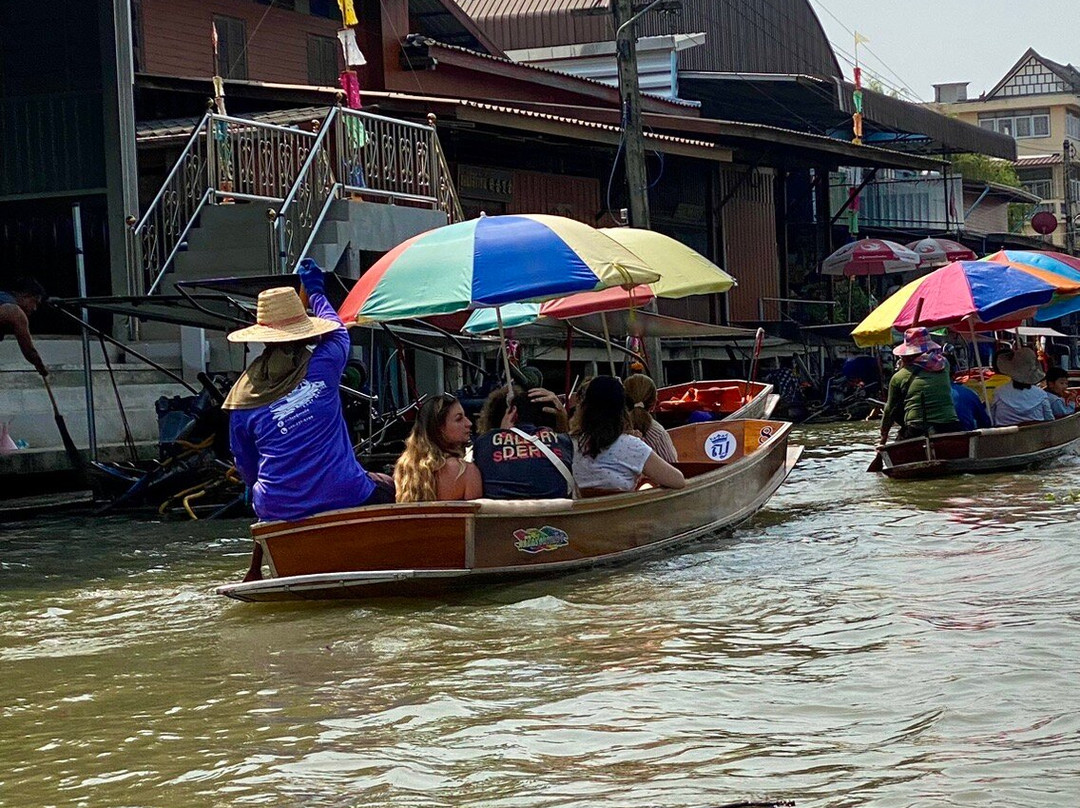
x=1037 y=102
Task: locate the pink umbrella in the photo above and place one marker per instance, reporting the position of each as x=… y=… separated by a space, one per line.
x=870 y=256
x=937 y=252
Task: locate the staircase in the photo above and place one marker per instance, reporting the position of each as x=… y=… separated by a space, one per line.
x=247 y=198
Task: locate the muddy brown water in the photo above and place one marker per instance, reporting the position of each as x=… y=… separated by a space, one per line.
x=861 y=642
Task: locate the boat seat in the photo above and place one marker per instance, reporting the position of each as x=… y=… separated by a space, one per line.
x=512 y=507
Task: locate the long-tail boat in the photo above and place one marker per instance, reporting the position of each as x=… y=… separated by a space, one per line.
x=732 y=468
x=1001 y=448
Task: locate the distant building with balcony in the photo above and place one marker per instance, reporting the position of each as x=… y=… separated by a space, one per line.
x=1037 y=102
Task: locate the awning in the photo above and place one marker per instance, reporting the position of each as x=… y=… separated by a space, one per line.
x=637 y=323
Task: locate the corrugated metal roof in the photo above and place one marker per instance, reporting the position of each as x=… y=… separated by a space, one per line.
x=1037 y=160
x=780 y=36
x=147 y=132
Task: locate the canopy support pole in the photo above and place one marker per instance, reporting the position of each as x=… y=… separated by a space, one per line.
x=506 y=358
x=982 y=378
x=569 y=347
x=607 y=340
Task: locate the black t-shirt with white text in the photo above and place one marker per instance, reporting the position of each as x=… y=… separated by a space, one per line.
x=513 y=468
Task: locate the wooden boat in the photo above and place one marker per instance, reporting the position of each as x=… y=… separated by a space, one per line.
x=726 y=399
x=1001 y=448
x=732 y=468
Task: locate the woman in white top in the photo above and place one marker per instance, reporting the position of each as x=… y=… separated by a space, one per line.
x=606 y=458
x=641 y=393
x=1019 y=401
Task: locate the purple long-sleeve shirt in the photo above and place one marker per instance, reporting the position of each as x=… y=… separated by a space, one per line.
x=295 y=453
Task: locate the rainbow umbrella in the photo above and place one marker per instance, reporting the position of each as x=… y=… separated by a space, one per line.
x=980 y=294
x=683 y=271
x=491 y=261
x=1058 y=268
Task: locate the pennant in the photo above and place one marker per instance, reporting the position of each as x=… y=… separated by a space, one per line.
x=348 y=13
x=349 y=48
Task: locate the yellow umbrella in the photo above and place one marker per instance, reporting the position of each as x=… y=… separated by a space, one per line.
x=877 y=328
x=683 y=271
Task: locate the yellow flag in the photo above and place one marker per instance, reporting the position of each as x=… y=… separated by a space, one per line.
x=860 y=39
x=348 y=13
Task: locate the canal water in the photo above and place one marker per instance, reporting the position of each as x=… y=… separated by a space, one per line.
x=861 y=642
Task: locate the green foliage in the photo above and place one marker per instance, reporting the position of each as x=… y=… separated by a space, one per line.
x=987 y=169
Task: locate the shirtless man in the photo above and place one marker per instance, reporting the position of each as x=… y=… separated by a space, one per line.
x=16 y=306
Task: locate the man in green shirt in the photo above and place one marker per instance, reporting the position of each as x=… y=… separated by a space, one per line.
x=920 y=392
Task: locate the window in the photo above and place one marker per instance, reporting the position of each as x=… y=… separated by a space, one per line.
x=232 y=47
x=1072 y=125
x=322 y=60
x=1041 y=188
x=326 y=8
x=286 y=5
x=1020 y=124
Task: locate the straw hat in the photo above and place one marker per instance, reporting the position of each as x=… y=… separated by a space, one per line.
x=916 y=341
x=1020 y=365
x=281 y=317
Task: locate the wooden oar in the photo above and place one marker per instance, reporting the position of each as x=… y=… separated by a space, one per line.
x=65 y=436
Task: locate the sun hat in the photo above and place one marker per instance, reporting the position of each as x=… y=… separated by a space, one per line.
x=1020 y=365
x=280 y=316
x=916 y=341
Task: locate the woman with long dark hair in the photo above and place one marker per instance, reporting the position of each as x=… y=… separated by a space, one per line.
x=607 y=457
x=433 y=465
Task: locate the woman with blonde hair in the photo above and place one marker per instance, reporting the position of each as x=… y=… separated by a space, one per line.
x=641 y=393
x=433 y=465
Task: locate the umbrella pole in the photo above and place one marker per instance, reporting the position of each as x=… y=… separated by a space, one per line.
x=607 y=341
x=506 y=358
x=982 y=378
x=569 y=346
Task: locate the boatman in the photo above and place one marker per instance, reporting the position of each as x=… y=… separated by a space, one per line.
x=286 y=427
x=16 y=306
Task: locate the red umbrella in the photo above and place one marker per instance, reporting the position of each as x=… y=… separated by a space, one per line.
x=870 y=256
x=937 y=252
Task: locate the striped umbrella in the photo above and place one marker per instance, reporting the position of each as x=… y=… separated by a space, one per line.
x=971 y=293
x=491 y=261
x=1057 y=268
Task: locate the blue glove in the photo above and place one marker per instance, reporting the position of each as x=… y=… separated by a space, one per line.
x=311 y=275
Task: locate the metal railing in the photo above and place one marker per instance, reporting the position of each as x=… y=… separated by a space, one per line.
x=368 y=157
x=225 y=159
x=299 y=172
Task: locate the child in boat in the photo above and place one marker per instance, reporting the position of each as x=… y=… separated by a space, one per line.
x=288 y=436
x=608 y=459
x=510 y=452
x=920 y=394
x=433 y=465
x=641 y=392
x=1020 y=401
x=1057 y=386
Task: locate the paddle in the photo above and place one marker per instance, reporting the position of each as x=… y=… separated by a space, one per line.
x=759 y=341
x=65 y=436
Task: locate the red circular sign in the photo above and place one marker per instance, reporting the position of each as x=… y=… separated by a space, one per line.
x=1044 y=222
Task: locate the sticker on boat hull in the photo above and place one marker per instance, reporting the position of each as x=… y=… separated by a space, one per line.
x=720 y=445
x=540 y=539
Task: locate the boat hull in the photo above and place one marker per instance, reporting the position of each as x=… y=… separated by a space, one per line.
x=417 y=549
x=1003 y=448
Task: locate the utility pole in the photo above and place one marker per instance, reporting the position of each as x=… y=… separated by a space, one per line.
x=1067 y=207
x=637 y=180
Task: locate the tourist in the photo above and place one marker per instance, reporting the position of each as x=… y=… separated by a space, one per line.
x=433 y=465
x=607 y=459
x=1018 y=401
x=1057 y=387
x=920 y=394
x=641 y=393
x=523 y=451
x=17 y=303
x=287 y=431
x=970 y=410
